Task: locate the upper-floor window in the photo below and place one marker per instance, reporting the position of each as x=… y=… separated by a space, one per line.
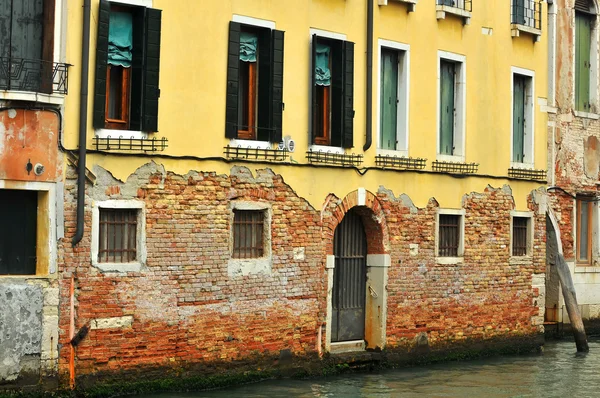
x=585 y=228
x=332 y=92
x=522 y=118
x=585 y=41
x=527 y=13
x=254 y=105
x=127 y=67
x=452 y=106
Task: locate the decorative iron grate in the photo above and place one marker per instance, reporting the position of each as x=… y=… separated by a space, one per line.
x=238 y=152
x=33 y=75
x=130 y=144
x=527 y=174
x=400 y=162
x=526 y=13
x=466 y=5
x=341 y=159
x=455 y=167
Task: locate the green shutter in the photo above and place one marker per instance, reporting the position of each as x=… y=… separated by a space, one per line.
x=388 y=99
x=233 y=60
x=313 y=87
x=138 y=51
x=348 y=93
x=583 y=31
x=151 y=70
x=447 y=71
x=277 y=86
x=337 y=92
x=101 y=60
x=518 y=118
x=518 y=12
x=264 y=101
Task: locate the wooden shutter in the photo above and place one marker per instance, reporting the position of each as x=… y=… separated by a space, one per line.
x=265 y=75
x=233 y=61
x=101 y=61
x=337 y=93
x=518 y=12
x=518 y=118
x=583 y=31
x=348 y=93
x=151 y=70
x=277 y=86
x=388 y=99
x=136 y=109
x=313 y=86
x=447 y=70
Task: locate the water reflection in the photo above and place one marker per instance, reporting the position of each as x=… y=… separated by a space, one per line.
x=558 y=372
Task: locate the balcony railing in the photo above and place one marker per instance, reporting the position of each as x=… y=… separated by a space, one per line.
x=527 y=13
x=33 y=75
x=465 y=5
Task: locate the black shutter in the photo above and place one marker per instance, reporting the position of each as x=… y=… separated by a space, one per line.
x=337 y=93
x=264 y=102
x=348 y=141
x=137 y=69
x=313 y=88
x=151 y=70
x=101 y=60
x=233 y=65
x=277 y=88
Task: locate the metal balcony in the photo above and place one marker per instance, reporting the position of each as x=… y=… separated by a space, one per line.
x=33 y=75
x=526 y=16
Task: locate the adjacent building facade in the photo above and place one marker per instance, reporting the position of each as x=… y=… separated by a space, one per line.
x=267 y=179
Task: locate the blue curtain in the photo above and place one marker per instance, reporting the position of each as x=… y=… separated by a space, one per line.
x=248 y=45
x=120 y=37
x=322 y=71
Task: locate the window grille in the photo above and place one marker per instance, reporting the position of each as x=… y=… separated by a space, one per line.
x=248 y=227
x=449 y=235
x=519 y=243
x=118 y=236
x=527 y=13
x=466 y=5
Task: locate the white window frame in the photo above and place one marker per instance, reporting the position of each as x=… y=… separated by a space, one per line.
x=402 y=123
x=460 y=104
x=529 y=128
x=530 y=228
x=461 y=238
x=134 y=266
x=237 y=267
x=328 y=35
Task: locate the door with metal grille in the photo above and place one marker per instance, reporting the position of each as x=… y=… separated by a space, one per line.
x=349 y=280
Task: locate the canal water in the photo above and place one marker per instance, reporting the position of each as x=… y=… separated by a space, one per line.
x=558 y=372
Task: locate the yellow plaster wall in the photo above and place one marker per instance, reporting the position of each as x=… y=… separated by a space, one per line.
x=193 y=85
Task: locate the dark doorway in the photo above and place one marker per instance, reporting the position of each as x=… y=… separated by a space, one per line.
x=18 y=222
x=349 y=279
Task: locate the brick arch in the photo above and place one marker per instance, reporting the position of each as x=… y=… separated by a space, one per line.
x=367 y=205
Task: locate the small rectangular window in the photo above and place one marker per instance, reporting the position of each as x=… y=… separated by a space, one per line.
x=248 y=235
x=449 y=235
x=584 y=231
x=118 y=236
x=18 y=235
x=520 y=236
x=447 y=106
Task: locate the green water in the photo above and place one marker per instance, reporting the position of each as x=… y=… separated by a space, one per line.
x=557 y=372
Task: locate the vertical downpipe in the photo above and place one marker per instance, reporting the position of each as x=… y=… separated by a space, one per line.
x=72 y=334
x=369 y=129
x=85 y=57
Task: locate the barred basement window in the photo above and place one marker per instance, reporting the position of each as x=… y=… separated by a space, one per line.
x=118 y=235
x=248 y=233
x=449 y=235
x=520 y=236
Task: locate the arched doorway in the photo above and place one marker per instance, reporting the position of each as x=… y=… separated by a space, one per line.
x=349 y=279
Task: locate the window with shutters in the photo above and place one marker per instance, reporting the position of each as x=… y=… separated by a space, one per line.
x=127 y=68
x=585 y=64
x=585 y=224
x=332 y=92
x=449 y=234
x=393 y=98
x=254 y=104
x=521 y=233
x=452 y=106
x=522 y=118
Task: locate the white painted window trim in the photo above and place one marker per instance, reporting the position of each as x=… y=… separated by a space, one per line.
x=402 y=126
x=529 y=138
x=134 y=266
x=51 y=220
x=234 y=142
x=460 y=102
x=237 y=267
x=328 y=35
x=461 y=239
x=530 y=229
x=262 y=23
x=137 y=3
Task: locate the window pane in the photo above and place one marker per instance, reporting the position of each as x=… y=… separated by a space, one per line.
x=115 y=92
x=248 y=234
x=118 y=235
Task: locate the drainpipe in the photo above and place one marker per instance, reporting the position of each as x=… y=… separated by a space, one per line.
x=85 y=57
x=369 y=130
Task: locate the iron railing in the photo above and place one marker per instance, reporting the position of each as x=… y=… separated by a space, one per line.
x=466 y=5
x=340 y=159
x=33 y=75
x=455 y=167
x=526 y=13
x=248 y=233
x=527 y=174
x=130 y=144
x=449 y=233
x=519 y=246
x=400 y=162
x=269 y=154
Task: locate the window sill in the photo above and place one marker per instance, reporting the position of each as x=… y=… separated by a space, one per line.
x=450 y=158
x=53 y=99
x=583 y=269
x=587 y=115
x=327 y=149
x=251 y=144
x=517 y=260
x=441 y=11
x=106 y=133
x=392 y=153
x=516 y=29
x=119 y=267
x=521 y=166
x=411 y=3
x=449 y=260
